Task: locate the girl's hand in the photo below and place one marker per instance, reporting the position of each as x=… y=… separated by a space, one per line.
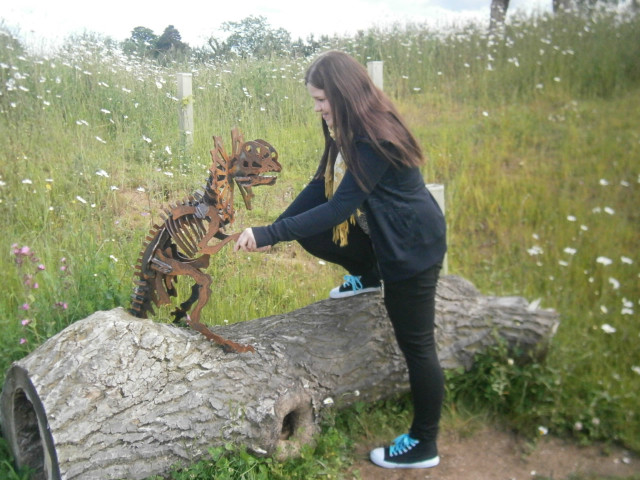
x=247 y=243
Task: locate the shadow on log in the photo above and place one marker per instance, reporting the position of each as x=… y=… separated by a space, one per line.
x=113 y=396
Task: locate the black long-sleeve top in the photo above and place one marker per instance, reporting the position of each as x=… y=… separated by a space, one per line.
x=407 y=227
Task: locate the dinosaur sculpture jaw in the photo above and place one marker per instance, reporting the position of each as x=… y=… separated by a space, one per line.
x=249 y=181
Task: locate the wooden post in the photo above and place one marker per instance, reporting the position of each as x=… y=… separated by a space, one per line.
x=185 y=114
x=375 y=70
x=437 y=190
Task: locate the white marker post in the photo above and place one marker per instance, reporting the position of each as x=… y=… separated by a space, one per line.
x=437 y=190
x=375 y=70
x=185 y=114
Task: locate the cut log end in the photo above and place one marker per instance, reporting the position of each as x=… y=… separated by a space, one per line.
x=25 y=426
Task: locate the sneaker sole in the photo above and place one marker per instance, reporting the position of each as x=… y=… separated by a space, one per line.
x=377 y=457
x=335 y=293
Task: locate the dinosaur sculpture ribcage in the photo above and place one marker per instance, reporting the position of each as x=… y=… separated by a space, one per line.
x=181 y=245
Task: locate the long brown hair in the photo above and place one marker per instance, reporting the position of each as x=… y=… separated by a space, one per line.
x=360 y=111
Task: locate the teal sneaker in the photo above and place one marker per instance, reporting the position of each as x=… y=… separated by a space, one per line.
x=406 y=452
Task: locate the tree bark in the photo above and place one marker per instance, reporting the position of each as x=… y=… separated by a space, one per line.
x=113 y=396
x=498 y=14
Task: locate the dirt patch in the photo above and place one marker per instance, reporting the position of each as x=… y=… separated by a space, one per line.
x=491 y=454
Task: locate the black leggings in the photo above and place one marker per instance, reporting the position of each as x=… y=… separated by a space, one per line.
x=410 y=304
x=411 y=307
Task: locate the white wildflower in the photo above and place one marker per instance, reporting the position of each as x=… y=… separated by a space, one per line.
x=604 y=182
x=570 y=250
x=113 y=258
x=636 y=369
x=571 y=218
x=609 y=210
x=80 y=199
x=102 y=173
x=614 y=283
x=27 y=181
x=100 y=140
x=604 y=261
x=606 y=328
x=535 y=250
x=542 y=430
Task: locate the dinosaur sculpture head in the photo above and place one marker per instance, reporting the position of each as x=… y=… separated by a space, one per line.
x=250 y=162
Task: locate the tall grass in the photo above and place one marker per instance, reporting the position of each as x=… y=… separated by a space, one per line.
x=533 y=132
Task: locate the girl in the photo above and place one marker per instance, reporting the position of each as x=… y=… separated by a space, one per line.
x=368 y=210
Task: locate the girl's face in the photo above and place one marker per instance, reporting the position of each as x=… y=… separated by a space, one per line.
x=321 y=104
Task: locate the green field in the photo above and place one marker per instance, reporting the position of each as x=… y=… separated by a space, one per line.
x=535 y=135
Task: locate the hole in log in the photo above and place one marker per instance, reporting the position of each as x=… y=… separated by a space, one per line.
x=295 y=414
x=289 y=425
x=30 y=448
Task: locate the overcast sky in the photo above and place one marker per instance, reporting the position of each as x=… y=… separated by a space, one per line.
x=46 y=22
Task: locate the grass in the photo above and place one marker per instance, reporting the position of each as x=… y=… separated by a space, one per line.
x=534 y=136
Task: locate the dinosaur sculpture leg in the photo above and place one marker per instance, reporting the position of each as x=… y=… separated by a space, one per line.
x=203 y=282
x=182 y=311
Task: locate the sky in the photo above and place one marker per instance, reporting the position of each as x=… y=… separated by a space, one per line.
x=45 y=23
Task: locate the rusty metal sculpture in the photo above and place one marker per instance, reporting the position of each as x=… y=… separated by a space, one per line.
x=180 y=245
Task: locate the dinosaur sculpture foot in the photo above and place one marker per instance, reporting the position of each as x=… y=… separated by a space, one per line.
x=179 y=317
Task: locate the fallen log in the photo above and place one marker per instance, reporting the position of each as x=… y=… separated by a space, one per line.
x=113 y=396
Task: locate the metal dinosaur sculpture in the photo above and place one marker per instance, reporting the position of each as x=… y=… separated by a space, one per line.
x=180 y=245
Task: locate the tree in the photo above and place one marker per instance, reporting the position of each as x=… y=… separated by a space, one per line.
x=252 y=37
x=142 y=42
x=170 y=40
